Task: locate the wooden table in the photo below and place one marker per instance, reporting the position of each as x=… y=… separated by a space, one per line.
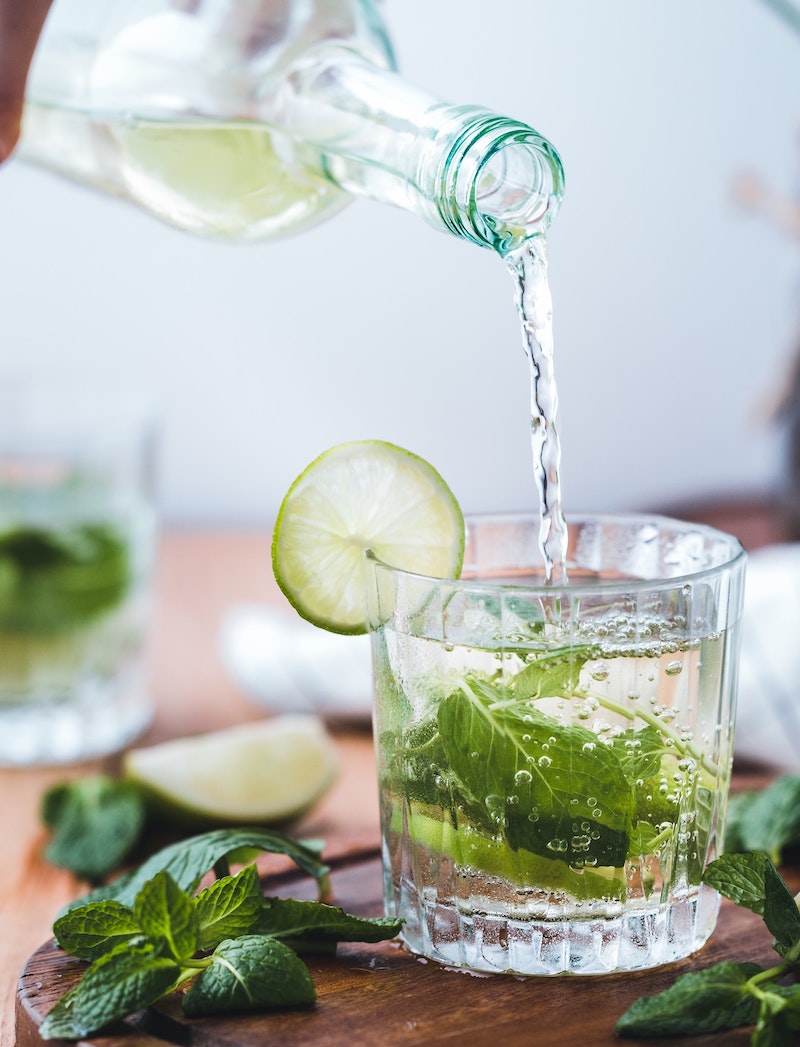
x=382 y=995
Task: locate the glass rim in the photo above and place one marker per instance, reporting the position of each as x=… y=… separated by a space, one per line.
x=662 y=522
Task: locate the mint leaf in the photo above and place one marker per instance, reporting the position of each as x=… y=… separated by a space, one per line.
x=553 y=674
x=502 y=748
x=698 y=1002
x=780 y=911
x=765 y=820
x=166 y=914
x=228 y=907
x=639 y=752
x=740 y=877
x=751 y=880
x=96 y=822
x=189 y=860
x=251 y=972
x=119 y=983
x=92 y=930
x=290 y=918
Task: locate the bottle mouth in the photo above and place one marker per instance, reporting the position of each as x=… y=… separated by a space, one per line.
x=503 y=183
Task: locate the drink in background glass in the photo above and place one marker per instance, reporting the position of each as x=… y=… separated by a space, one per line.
x=77 y=534
x=554 y=760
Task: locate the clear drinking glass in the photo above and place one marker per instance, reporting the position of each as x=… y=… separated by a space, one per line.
x=77 y=528
x=554 y=760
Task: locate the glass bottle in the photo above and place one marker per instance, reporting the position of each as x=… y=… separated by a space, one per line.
x=250 y=119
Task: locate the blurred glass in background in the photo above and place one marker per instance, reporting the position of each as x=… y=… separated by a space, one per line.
x=77 y=529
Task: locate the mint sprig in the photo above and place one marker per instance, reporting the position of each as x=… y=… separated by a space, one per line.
x=237 y=948
x=733 y=995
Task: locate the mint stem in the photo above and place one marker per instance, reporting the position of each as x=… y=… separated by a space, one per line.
x=642 y=713
x=770 y=975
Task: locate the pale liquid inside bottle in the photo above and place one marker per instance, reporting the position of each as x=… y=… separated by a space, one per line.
x=226 y=180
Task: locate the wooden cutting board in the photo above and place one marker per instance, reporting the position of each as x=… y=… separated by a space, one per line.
x=381 y=995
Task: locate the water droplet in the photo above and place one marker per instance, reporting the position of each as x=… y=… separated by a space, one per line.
x=588 y=747
x=448 y=646
x=600 y=672
x=544 y=761
x=523 y=777
x=673 y=668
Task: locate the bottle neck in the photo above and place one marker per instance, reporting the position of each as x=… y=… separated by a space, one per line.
x=465 y=170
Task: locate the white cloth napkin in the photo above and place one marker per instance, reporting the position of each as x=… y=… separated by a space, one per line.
x=287 y=664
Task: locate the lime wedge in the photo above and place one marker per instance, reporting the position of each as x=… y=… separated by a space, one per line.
x=360 y=496
x=258 y=773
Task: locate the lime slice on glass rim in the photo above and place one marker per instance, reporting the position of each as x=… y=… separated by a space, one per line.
x=258 y=773
x=362 y=496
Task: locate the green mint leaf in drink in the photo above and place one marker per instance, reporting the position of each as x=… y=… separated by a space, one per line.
x=247 y=973
x=56 y=579
x=189 y=860
x=573 y=801
x=305 y=921
x=228 y=907
x=119 y=983
x=699 y=1002
x=765 y=819
x=93 y=930
x=553 y=674
x=640 y=752
x=96 y=822
x=167 y=916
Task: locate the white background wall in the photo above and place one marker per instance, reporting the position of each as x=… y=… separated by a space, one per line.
x=675 y=311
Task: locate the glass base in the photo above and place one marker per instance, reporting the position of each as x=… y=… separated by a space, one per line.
x=639 y=938
x=94 y=722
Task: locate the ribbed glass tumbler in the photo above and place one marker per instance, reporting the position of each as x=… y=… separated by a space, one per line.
x=554 y=760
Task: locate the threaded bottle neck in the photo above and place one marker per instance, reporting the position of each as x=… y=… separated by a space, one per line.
x=494 y=181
